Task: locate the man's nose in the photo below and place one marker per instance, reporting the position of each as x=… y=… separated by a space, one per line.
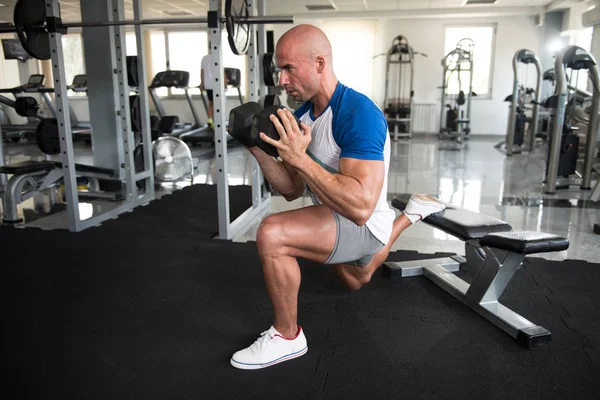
x=283 y=78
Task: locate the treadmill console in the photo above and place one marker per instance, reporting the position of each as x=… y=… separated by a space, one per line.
x=35 y=81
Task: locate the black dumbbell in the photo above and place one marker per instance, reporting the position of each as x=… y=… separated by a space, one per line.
x=249 y=119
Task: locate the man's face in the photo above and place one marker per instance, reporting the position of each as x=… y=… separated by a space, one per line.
x=298 y=74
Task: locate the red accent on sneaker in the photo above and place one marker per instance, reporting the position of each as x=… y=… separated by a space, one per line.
x=297 y=334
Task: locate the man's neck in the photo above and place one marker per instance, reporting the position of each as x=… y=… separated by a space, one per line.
x=321 y=100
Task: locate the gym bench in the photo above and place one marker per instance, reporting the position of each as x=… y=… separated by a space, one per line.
x=493 y=253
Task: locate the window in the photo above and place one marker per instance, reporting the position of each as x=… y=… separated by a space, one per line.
x=185 y=58
x=483 y=50
x=73 y=59
x=131 y=44
x=182 y=58
x=353 y=44
x=231 y=60
x=159 y=58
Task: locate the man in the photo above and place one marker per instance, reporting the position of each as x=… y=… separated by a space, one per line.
x=340 y=153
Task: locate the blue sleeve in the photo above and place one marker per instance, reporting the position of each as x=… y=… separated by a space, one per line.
x=361 y=130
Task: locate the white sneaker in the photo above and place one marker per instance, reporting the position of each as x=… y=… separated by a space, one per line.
x=269 y=349
x=420 y=206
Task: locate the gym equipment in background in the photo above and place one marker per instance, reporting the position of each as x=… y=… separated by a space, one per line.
x=40 y=28
x=563 y=149
x=172 y=160
x=457 y=92
x=399 y=78
x=520 y=99
x=271 y=80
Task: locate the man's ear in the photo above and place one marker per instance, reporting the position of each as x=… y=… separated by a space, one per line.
x=320 y=64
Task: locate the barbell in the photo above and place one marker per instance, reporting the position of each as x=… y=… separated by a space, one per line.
x=33 y=27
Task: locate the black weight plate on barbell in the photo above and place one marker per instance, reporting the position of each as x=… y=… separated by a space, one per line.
x=46 y=136
x=29 y=19
x=238 y=32
x=26 y=106
x=270 y=70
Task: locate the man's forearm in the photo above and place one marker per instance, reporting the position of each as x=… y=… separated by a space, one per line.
x=288 y=185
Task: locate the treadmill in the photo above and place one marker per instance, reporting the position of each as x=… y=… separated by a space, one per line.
x=188 y=132
x=82 y=130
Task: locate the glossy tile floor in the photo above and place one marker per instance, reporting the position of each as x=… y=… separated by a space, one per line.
x=478 y=177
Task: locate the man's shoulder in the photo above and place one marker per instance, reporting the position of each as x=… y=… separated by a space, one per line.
x=356 y=104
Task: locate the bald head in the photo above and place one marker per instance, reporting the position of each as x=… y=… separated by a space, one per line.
x=304 y=56
x=307 y=41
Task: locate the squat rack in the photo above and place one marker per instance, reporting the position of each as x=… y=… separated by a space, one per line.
x=40 y=29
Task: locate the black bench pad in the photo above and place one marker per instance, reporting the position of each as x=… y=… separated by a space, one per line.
x=26 y=167
x=457 y=221
x=82 y=169
x=525 y=242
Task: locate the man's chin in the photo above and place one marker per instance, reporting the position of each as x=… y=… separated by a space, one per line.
x=297 y=96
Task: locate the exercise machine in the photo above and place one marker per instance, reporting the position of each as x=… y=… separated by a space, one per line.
x=34 y=83
x=493 y=253
x=520 y=99
x=399 y=93
x=457 y=92
x=564 y=142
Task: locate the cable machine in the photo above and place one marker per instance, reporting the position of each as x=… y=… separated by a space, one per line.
x=399 y=76
x=564 y=143
x=521 y=94
x=457 y=91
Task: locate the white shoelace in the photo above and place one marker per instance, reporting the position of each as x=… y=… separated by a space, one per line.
x=261 y=342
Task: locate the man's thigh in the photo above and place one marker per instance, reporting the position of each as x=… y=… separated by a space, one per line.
x=308 y=232
x=318 y=234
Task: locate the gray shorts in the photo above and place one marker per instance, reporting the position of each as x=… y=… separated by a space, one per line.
x=354 y=245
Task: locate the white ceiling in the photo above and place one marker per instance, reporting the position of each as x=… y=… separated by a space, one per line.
x=165 y=8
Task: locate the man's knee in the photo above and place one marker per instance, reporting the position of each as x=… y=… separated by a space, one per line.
x=269 y=235
x=354 y=277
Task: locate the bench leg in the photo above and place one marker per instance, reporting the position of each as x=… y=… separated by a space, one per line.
x=489 y=277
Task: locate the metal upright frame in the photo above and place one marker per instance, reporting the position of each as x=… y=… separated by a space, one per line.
x=573 y=56
x=122 y=119
x=463 y=57
x=526 y=57
x=227 y=228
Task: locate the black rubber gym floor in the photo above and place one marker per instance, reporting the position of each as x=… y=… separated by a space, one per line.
x=127 y=311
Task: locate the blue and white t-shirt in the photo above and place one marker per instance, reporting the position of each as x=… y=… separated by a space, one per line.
x=352 y=126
